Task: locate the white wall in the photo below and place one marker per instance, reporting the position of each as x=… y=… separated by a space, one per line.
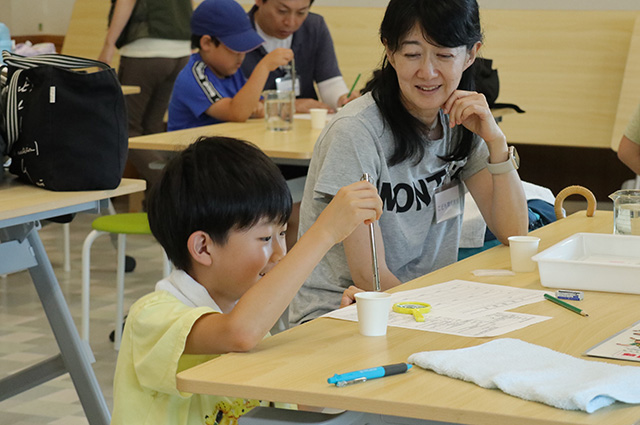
x=26 y=17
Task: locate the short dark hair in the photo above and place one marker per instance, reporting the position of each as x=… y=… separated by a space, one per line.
x=447 y=23
x=216 y=185
x=195 y=40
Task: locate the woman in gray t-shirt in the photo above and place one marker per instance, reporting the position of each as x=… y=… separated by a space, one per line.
x=420 y=133
x=629 y=149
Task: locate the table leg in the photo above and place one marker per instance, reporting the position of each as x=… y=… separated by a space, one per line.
x=75 y=358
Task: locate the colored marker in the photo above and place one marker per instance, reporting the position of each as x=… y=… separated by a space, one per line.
x=566 y=305
x=366 y=374
x=353 y=86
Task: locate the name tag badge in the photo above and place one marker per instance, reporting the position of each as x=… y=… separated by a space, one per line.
x=448 y=203
x=284 y=84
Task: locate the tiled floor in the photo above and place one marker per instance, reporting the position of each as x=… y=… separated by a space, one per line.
x=25 y=335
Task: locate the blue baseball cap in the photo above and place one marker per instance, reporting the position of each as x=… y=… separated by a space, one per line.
x=227 y=21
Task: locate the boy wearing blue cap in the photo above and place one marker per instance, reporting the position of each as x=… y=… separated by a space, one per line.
x=211 y=88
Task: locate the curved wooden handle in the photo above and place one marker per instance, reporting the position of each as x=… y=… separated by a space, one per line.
x=575 y=190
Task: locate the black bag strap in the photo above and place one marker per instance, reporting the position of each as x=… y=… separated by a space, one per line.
x=509 y=105
x=3 y=128
x=21 y=63
x=11 y=111
x=61 y=61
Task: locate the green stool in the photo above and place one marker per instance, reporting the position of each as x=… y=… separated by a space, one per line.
x=122 y=225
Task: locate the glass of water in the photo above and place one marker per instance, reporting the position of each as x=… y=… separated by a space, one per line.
x=626 y=212
x=279 y=107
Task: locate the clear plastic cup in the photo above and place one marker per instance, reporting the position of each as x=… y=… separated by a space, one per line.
x=522 y=248
x=279 y=107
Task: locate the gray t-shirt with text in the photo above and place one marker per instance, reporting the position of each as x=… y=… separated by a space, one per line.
x=356 y=141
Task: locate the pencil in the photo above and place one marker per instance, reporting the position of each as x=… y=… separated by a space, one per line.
x=353 y=86
x=566 y=305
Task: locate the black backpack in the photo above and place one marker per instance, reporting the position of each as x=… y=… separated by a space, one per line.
x=488 y=83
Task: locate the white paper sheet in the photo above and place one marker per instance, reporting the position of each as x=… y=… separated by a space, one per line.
x=462 y=308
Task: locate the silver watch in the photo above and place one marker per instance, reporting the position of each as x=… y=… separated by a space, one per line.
x=511 y=164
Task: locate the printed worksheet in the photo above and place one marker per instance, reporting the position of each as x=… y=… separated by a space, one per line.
x=624 y=345
x=464 y=308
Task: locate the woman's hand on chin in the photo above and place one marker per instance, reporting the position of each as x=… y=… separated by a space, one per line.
x=470 y=109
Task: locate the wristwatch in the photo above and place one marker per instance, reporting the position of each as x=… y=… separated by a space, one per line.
x=511 y=164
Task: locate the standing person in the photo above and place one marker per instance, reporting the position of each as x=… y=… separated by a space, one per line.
x=219 y=211
x=290 y=24
x=420 y=134
x=153 y=38
x=629 y=149
x=211 y=88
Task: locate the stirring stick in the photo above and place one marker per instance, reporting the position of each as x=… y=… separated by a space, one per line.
x=374 y=255
x=293 y=76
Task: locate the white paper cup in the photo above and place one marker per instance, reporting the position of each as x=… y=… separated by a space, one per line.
x=373 y=312
x=522 y=248
x=318 y=118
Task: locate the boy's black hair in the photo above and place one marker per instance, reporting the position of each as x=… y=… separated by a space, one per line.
x=195 y=40
x=216 y=185
x=447 y=23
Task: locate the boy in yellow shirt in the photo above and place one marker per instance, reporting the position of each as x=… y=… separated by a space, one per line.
x=220 y=212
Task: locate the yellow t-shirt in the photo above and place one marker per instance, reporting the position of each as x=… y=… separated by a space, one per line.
x=145 y=390
x=633 y=128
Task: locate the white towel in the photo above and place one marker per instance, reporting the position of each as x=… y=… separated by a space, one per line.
x=537 y=373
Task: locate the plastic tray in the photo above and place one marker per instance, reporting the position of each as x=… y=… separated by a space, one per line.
x=592 y=261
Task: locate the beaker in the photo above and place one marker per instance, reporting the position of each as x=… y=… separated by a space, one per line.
x=626 y=212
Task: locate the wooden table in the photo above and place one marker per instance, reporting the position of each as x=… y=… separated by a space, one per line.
x=294 y=365
x=21 y=208
x=284 y=147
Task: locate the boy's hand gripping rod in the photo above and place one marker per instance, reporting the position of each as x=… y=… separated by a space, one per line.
x=372 y=237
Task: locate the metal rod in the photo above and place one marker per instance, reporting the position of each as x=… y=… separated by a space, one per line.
x=374 y=254
x=293 y=76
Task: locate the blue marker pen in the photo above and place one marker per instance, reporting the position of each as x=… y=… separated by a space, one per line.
x=366 y=374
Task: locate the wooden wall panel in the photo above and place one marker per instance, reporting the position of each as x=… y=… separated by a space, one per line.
x=565 y=68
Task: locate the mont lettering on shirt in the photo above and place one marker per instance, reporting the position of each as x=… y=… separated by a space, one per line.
x=447 y=194
x=402 y=197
